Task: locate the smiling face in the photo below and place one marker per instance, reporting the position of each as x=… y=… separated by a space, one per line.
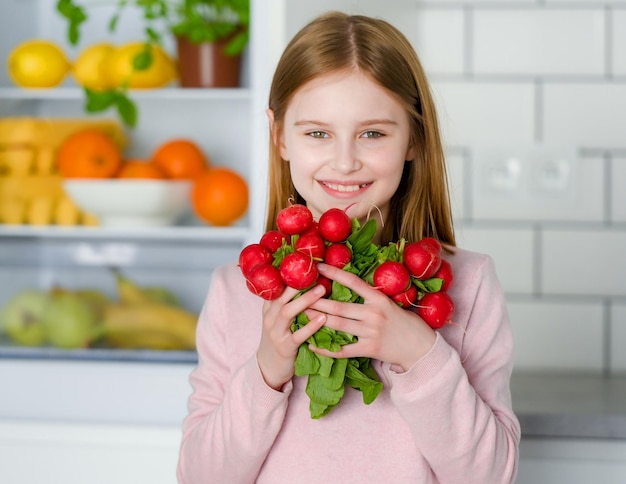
x=346 y=139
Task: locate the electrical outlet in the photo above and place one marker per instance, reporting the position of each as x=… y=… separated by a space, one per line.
x=552 y=175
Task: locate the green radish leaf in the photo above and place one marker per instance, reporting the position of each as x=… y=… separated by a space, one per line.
x=317 y=391
x=325 y=367
x=433 y=284
x=307 y=362
x=361 y=239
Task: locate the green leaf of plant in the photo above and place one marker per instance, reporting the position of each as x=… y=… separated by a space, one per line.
x=127 y=111
x=143 y=59
x=97 y=101
x=75 y=15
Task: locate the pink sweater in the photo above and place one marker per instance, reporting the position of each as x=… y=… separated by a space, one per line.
x=448 y=419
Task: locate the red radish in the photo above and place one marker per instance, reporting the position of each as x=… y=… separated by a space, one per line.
x=313 y=228
x=265 y=281
x=338 y=255
x=436 y=309
x=421 y=260
x=432 y=243
x=298 y=270
x=335 y=225
x=253 y=255
x=407 y=298
x=273 y=240
x=294 y=219
x=445 y=273
x=311 y=244
x=327 y=283
x=392 y=278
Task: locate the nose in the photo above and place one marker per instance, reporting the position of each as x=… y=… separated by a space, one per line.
x=345 y=159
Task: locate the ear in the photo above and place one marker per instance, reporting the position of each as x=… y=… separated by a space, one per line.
x=276 y=135
x=410 y=153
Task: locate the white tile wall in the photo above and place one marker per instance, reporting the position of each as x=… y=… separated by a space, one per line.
x=583 y=262
x=557 y=335
x=538 y=41
x=618 y=42
x=512 y=250
x=476 y=112
x=526 y=78
x=585 y=113
x=439 y=39
x=617 y=189
x=618 y=336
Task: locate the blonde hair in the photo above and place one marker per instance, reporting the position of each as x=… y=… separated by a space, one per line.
x=336 y=41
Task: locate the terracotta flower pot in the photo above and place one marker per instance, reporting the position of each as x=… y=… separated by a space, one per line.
x=206 y=65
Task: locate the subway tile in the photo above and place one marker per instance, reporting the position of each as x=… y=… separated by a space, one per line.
x=584 y=262
x=550 y=335
x=538 y=41
x=455 y=165
x=618 y=190
x=618 y=39
x=536 y=183
x=618 y=337
x=512 y=252
x=403 y=15
x=481 y=112
x=585 y=2
x=439 y=40
x=589 y=115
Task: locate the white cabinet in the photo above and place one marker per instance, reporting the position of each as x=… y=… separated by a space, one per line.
x=63 y=453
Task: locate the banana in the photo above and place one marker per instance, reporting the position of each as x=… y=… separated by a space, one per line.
x=149 y=325
x=39 y=211
x=17 y=161
x=66 y=212
x=131 y=293
x=12 y=211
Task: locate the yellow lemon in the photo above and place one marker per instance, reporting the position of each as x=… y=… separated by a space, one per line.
x=90 y=67
x=120 y=68
x=38 y=64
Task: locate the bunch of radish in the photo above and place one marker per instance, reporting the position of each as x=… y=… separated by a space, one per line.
x=413 y=274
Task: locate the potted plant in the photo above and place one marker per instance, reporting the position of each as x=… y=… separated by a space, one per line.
x=206 y=31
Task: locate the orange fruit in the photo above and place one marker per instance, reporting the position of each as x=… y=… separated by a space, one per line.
x=219 y=196
x=141 y=169
x=180 y=159
x=88 y=153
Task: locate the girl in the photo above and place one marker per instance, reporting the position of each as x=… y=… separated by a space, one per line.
x=352 y=122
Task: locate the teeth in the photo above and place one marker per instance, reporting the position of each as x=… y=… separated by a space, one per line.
x=343 y=188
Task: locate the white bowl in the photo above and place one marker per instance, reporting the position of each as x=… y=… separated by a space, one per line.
x=131 y=203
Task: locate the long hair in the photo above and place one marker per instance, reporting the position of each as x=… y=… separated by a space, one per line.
x=334 y=42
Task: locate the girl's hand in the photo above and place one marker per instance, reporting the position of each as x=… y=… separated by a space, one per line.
x=385 y=331
x=279 y=346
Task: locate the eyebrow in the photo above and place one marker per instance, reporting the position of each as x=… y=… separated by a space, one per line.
x=369 y=122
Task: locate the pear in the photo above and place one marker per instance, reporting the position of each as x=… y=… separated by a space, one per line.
x=70 y=321
x=22 y=317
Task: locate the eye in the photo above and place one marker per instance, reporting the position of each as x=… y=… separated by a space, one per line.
x=372 y=134
x=318 y=134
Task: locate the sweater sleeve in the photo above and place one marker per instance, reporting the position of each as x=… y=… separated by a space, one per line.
x=233 y=416
x=459 y=407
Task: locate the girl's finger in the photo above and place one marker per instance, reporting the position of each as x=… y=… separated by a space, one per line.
x=349 y=280
x=309 y=329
